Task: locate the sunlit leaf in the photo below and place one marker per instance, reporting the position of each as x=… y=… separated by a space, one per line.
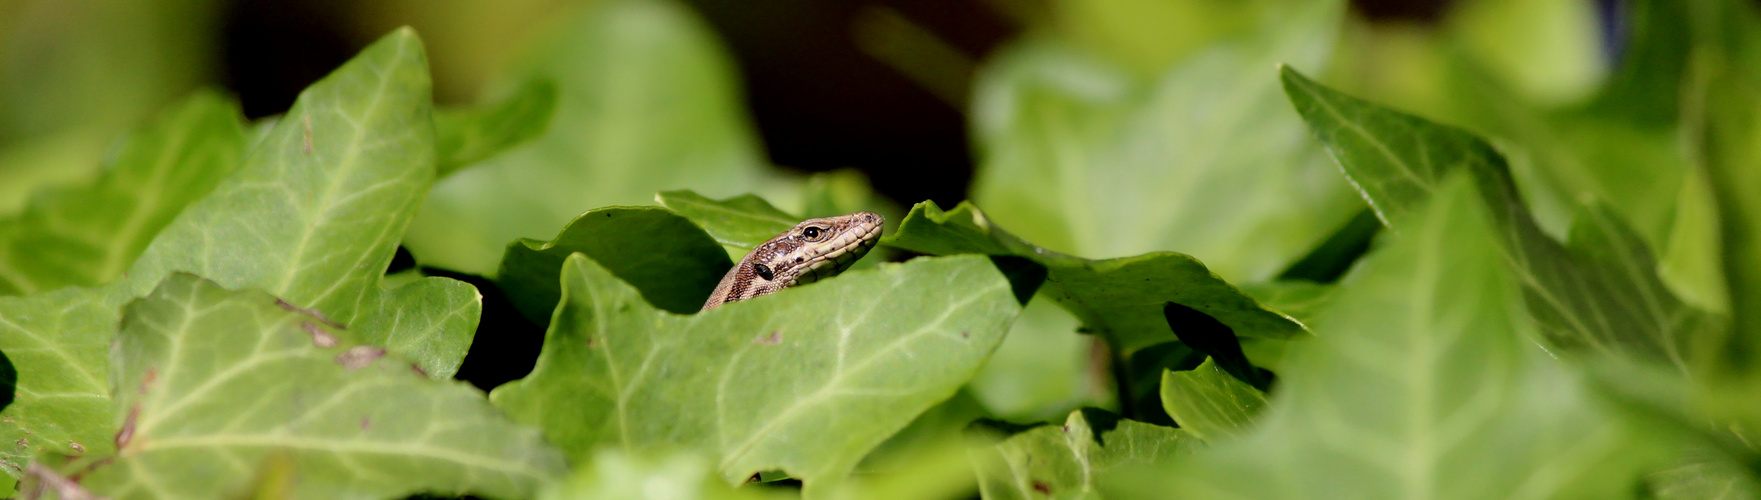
x=805 y=381
x=89 y=234
x=1600 y=292
x=1044 y=368
x=1548 y=49
x=467 y=136
x=1205 y=159
x=1420 y=383
x=210 y=383
x=1208 y=402
x=645 y=102
x=1730 y=138
x=312 y=216
x=616 y=475
x=1040 y=371
x=740 y=222
x=1066 y=461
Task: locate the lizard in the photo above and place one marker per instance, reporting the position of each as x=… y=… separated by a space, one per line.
x=813 y=250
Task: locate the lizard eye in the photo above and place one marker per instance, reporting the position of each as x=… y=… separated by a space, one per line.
x=812 y=233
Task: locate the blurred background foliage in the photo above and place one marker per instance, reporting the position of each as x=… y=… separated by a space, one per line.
x=1100 y=128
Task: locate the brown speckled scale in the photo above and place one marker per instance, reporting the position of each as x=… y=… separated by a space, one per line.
x=813 y=250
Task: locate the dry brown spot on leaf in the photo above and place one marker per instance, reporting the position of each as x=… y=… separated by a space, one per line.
x=128 y=427
x=320 y=337
x=46 y=479
x=307 y=147
x=775 y=337
x=360 y=356
x=147 y=380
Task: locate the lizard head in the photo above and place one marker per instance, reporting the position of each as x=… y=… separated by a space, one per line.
x=816 y=248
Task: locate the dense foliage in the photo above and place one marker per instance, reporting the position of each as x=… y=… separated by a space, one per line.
x=1204 y=267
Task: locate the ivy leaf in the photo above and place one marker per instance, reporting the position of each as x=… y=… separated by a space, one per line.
x=1051 y=461
x=88 y=235
x=1081 y=157
x=646 y=101
x=210 y=383
x=671 y=261
x=805 y=381
x=741 y=222
x=1421 y=383
x=1600 y=292
x=1208 y=402
x=313 y=216
x=1119 y=298
x=1040 y=371
x=1731 y=148
x=467 y=136
x=616 y=475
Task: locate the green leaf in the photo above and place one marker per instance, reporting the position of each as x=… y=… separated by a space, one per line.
x=671 y=261
x=1600 y=292
x=1208 y=402
x=805 y=381
x=1421 y=383
x=467 y=136
x=1730 y=148
x=99 y=72
x=1148 y=36
x=88 y=235
x=1549 y=49
x=1566 y=155
x=212 y=382
x=1052 y=461
x=615 y=475
x=315 y=226
x=645 y=102
x=1704 y=476
x=1301 y=300
x=1120 y=299
x=1081 y=158
x=315 y=213
x=741 y=222
x=1042 y=370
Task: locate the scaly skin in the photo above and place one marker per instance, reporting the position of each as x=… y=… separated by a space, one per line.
x=813 y=250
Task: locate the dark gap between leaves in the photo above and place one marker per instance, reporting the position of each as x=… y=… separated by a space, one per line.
x=506 y=345
x=1207 y=336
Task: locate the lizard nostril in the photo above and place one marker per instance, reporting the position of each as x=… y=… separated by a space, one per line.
x=869 y=217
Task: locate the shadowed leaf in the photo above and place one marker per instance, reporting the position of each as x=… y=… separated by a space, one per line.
x=664 y=256
x=1121 y=299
